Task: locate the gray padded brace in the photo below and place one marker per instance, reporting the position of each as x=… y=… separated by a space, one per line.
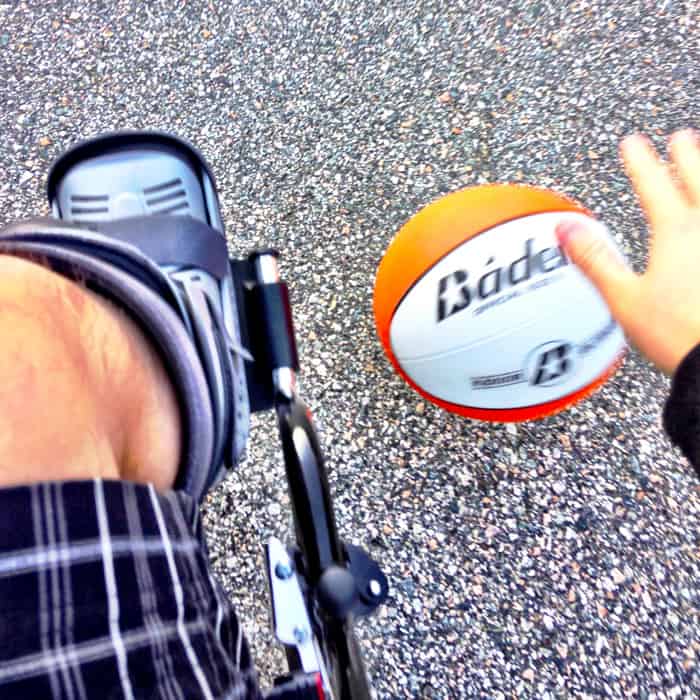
x=195 y=329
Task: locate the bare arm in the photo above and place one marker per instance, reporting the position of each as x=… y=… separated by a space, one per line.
x=82 y=392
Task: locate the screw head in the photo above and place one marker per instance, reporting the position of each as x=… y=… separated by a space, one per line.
x=300 y=635
x=283 y=571
x=375 y=588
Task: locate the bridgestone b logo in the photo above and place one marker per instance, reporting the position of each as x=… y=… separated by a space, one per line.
x=551 y=365
x=455 y=293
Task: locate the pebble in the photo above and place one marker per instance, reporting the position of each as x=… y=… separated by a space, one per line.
x=559 y=487
x=617 y=576
x=626 y=533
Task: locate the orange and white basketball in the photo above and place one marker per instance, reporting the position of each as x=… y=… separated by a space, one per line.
x=481 y=311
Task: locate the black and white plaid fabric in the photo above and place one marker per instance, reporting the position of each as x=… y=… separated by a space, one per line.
x=105 y=592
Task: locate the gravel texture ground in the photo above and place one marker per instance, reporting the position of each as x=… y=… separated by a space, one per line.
x=553 y=559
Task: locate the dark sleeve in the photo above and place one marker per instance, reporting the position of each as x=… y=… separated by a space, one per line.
x=682 y=410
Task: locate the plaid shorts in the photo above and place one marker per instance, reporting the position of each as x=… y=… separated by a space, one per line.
x=105 y=592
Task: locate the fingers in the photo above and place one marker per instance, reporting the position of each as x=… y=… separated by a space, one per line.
x=660 y=196
x=685 y=151
x=602 y=264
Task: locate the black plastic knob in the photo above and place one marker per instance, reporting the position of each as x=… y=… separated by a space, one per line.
x=336 y=591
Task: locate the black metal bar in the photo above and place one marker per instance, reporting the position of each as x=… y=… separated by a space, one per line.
x=308 y=486
x=274 y=314
x=317 y=535
x=346 y=667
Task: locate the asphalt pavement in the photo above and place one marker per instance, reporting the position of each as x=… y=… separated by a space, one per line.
x=552 y=559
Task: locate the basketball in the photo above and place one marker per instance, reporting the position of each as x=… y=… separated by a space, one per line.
x=482 y=313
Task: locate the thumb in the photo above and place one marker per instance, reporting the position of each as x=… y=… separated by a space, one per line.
x=600 y=262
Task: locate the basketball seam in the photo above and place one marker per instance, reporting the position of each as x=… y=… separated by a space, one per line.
x=542 y=410
x=477 y=343
x=481 y=233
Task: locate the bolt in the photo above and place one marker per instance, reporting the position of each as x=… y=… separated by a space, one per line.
x=283 y=571
x=300 y=634
x=375 y=588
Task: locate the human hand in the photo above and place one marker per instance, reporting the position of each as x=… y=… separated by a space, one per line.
x=660 y=309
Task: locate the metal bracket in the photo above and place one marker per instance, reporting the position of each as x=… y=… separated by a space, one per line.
x=291 y=622
x=372 y=584
x=290 y=616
